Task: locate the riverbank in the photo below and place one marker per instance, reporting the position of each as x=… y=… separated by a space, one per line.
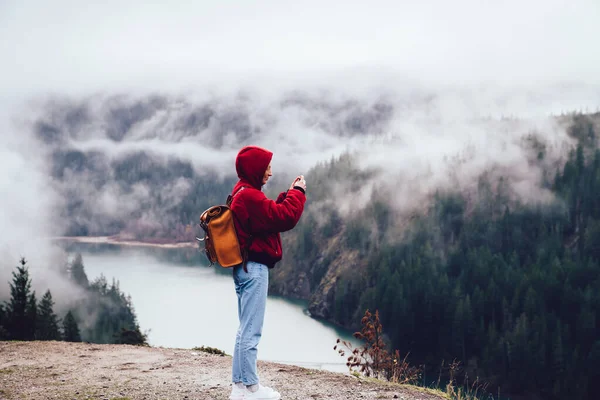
x=62 y=370
x=116 y=240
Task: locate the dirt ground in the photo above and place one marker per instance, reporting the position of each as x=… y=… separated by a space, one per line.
x=61 y=370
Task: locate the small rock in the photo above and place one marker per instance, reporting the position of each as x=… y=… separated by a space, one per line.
x=395 y=396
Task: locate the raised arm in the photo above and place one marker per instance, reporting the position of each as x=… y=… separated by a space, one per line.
x=267 y=215
x=281 y=197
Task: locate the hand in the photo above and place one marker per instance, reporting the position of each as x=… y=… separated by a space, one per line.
x=300 y=182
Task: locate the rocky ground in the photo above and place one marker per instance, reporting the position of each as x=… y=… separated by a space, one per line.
x=61 y=370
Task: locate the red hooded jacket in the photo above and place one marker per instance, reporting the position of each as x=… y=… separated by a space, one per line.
x=259 y=220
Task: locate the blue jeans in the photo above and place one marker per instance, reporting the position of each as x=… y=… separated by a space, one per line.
x=251 y=288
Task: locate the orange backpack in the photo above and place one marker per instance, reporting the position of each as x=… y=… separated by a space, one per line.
x=221 y=243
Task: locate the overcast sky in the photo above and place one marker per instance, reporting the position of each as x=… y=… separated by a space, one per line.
x=64 y=45
x=84 y=47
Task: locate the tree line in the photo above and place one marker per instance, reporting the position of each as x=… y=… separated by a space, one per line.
x=103 y=315
x=511 y=290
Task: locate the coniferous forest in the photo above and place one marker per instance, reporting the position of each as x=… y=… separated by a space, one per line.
x=103 y=315
x=510 y=290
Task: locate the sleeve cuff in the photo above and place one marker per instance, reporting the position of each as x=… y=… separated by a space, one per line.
x=300 y=189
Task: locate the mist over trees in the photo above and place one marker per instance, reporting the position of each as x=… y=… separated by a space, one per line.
x=501 y=275
x=143 y=167
x=104 y=315
x=108 y=160
x=511 y=290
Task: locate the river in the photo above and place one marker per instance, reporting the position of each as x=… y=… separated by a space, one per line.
x=183 y=303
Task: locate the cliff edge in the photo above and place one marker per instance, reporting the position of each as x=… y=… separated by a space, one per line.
x=62 y=370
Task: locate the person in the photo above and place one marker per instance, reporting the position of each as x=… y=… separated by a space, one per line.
x=258 y=222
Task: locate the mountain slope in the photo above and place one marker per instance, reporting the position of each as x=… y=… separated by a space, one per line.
x=507 y=286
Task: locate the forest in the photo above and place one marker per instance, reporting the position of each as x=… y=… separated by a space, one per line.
x=510 y=290
x=103 y=314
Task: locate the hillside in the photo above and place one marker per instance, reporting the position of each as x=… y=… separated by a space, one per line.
x=508 y=285
x=61 y=370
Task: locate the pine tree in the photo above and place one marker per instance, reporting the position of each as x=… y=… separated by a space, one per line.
x=21 y=310
x=47 y=321
x=78 y=274
x=70 y=328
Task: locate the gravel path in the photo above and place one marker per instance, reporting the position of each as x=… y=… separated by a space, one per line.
x=61 y=370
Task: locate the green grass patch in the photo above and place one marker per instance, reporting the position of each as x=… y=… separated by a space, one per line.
x=6 y=371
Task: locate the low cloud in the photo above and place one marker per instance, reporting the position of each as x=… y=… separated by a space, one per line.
x=417 y=140
x=28 y=204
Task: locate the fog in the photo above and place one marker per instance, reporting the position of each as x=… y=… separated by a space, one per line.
x=27 y=202
x=429 y=95
x=415 y=141
x=69 y=45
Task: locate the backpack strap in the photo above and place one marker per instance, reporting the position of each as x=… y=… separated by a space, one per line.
x=230 y=197
x=250 y=237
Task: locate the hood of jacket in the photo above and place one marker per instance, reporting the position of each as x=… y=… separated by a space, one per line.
x=251 y=163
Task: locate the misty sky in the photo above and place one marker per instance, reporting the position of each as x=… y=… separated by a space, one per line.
x=79 y=46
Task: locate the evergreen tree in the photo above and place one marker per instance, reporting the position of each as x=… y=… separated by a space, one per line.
x=70 y=328
x=78 y=274
x=21 y=309
x=47 y=321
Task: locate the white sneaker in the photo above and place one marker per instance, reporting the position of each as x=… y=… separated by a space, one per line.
x=263 y=393
x=237 y=393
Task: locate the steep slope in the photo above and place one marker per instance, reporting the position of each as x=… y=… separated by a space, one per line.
x=507 y=285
